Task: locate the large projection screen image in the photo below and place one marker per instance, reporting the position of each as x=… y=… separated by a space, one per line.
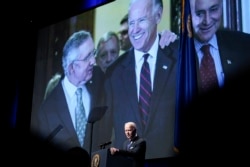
x=49 y=71
x=110 y=73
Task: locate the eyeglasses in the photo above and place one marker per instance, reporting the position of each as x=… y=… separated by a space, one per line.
x=88 y=57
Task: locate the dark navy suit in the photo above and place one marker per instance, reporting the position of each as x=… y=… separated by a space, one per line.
x=122 y=100
x=234 y=49
x=136 y=151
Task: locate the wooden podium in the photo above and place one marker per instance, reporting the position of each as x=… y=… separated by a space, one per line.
x=103 y=158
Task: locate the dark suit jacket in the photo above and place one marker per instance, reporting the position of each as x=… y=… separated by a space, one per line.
x=54 y=112
x=136 y=152
x=122 y=100
x=234 y=48
x=216 y=123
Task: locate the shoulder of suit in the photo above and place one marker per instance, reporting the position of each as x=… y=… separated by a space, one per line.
x=232 y=33
x=241 y=39
x=98 y=75
x=175 y=44
x=140 y=139
x=118 y=61
x=97 y=69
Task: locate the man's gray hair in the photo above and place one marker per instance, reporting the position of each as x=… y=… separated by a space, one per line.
x=71 y=46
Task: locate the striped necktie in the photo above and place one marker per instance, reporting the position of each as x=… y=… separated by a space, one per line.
x=145 y=90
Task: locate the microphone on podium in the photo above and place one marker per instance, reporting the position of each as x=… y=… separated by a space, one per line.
x=102 y=146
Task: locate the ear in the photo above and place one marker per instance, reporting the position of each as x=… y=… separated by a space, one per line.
x=71 y=68
x=158 y=15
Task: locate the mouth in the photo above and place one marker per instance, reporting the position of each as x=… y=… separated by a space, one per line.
x=138 y=36
x=206 y=29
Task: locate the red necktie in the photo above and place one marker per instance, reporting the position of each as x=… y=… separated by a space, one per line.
x=207 y=70
x=145 y=90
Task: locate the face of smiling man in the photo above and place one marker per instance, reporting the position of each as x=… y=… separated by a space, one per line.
x=206 y=18
x=143 y=20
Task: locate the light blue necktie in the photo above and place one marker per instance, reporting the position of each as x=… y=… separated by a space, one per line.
x=129 y=144
x=80 y=117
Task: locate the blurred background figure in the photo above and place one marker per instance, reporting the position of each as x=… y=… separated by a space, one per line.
x=108 y=49
x=123 y=34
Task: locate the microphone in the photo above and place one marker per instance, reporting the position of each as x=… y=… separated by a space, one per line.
x=102 y=146
x=54 y=133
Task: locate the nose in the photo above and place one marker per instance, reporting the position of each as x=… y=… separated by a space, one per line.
x=136 y=26
x=92 y=60
x=110 y=57
x=206 y=18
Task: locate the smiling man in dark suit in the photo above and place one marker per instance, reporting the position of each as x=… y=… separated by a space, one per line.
x=218 y=120
x=229 y=49
x=123 y=82
x=133 y=148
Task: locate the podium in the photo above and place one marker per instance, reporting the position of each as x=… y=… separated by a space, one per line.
x=103 y=158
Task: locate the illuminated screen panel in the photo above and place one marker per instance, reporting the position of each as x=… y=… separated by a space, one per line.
x=98 y=21
x=51 y=40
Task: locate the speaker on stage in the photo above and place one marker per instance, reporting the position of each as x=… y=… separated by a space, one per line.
x=103 y=158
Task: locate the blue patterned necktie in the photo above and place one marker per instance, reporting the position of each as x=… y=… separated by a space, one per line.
x=129 y=144
x=80 y=117
x=145 y=90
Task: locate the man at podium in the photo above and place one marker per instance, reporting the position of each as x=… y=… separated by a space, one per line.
x=134 y=147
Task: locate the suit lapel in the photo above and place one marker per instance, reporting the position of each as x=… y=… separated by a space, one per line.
x=63 y=111
x=164 y=67
x=227 y=55
x=129 y=82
